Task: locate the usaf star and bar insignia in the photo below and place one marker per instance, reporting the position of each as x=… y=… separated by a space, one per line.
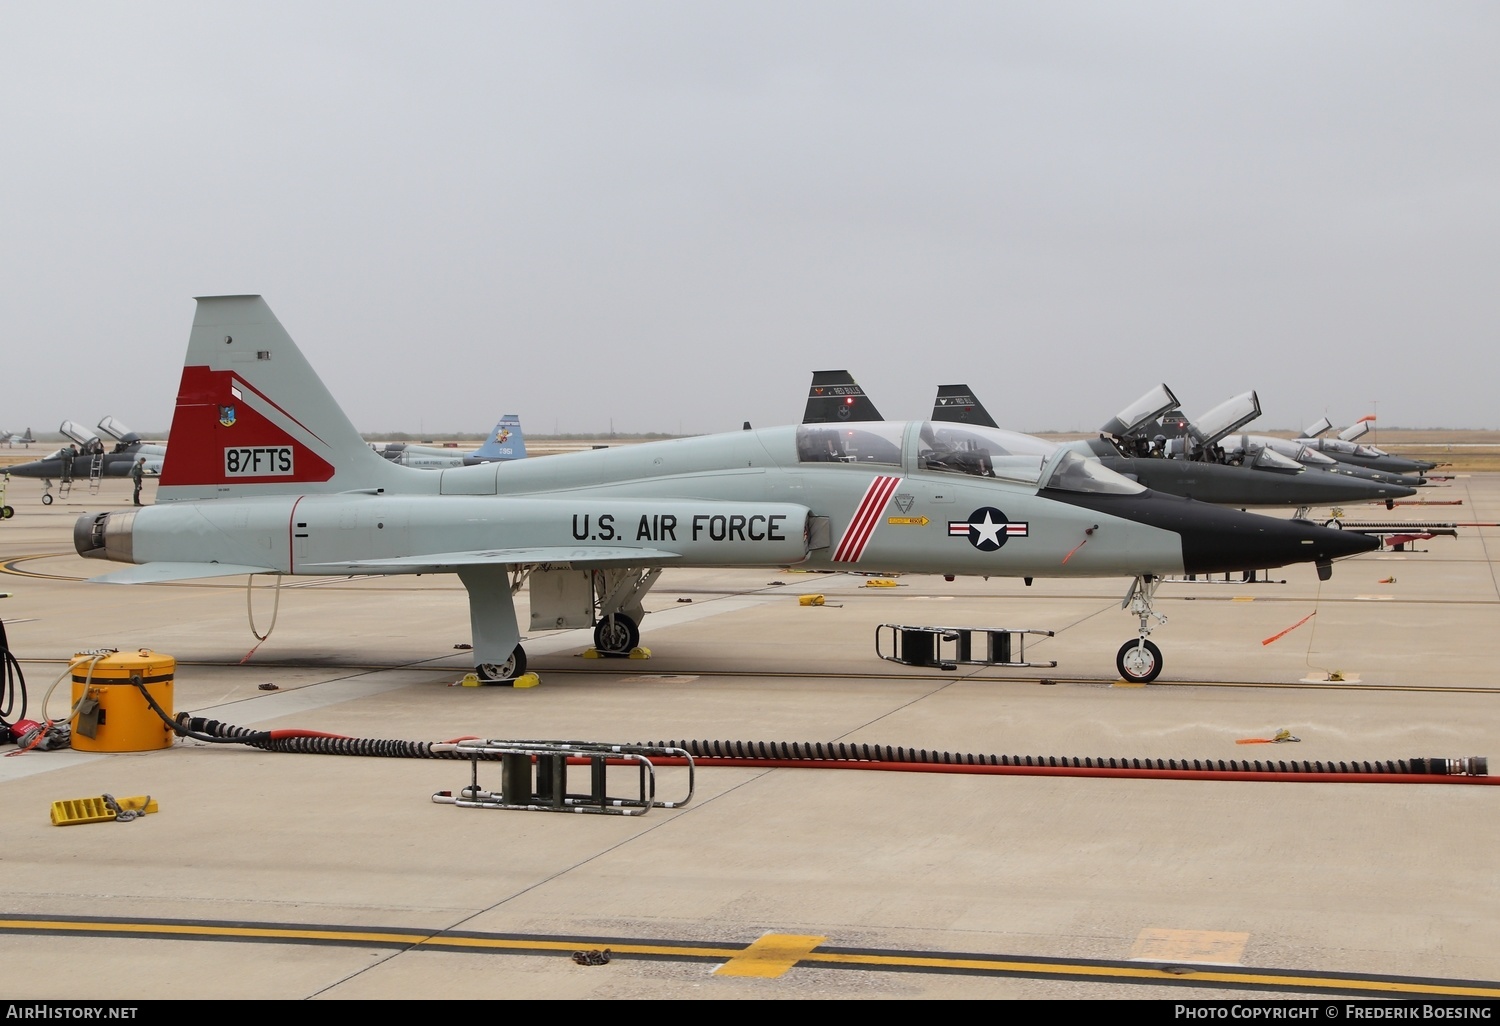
x=987 y=529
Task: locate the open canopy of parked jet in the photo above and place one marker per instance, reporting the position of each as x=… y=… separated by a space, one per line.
x=89 y=458
x=505 y=442
x=267 y=476
x=1190 y=461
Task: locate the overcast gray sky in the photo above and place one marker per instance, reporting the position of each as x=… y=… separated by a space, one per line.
x=663 y=216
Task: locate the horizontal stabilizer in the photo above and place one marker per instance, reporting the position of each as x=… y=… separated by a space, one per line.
x=156 y=573
x=439 y=562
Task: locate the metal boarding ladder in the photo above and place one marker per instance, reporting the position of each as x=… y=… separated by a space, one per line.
x=534 y=777
x=96 y=472
x=946 y=648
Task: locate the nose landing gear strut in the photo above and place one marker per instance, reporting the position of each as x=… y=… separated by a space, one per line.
x=1139 y=661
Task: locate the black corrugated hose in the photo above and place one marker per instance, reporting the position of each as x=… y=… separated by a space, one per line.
x=833 y=755
x=13 y=687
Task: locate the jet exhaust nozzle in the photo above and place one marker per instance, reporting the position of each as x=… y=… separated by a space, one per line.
x=105 y=536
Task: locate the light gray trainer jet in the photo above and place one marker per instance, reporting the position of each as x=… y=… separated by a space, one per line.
x=505 y=442
x=266 y=475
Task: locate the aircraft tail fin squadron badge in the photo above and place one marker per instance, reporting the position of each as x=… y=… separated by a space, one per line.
x=987 y=529
x=226 y=416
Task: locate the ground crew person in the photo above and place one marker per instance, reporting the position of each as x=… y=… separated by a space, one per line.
x=136 y=473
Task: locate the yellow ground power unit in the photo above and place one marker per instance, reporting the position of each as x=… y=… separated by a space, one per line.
x=109 y=712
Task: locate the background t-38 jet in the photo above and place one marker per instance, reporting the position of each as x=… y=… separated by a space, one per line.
x=88 y=458
x=835 y=397
x=267 y=476
x=11 y=441
x=504 y=443
x=1346 y=450
x=1190 y=462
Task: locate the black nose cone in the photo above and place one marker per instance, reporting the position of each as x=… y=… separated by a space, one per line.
x=1257 y=542
x=1220 y=540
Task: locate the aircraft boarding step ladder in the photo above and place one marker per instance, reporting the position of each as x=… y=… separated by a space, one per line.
x=946 y=648
x=534 y=777
x=96 y=472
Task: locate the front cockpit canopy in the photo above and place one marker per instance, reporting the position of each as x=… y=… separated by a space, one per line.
x=1358 y=430
x=1259 y=452
x=867 y=442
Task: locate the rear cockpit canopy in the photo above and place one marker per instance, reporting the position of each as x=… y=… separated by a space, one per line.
x=1226 y=417
x=118 y=431
x=1148 y=408
x=970 y=450
x=1316 y=429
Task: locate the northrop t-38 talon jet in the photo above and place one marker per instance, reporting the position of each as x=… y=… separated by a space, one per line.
x=267 y=476
x=1191 y=464
x=89 y=458
x=505 y=442
x=1345 y=449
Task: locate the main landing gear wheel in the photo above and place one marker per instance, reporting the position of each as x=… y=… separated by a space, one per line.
x=46 y=498
x=508 y=670
x=6 y=512
x=616 y=635
x=1139 y=661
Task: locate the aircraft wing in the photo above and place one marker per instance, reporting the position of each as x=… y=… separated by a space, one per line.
x=156 y=573
x=439 y=562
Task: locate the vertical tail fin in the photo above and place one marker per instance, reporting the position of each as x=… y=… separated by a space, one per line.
x=253 y=418
x=835 y=397
x=506 y=442
x=956 y=404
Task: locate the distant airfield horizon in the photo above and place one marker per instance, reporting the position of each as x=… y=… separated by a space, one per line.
x=1393 y=435
x=1458 y=450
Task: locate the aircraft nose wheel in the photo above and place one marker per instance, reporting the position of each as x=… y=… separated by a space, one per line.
x=46 y=498
x=508 y=670
x=1139 y=661
x=616 y=635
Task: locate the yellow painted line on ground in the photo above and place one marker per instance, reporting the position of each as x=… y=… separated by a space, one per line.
x=209 y=930
x=414 y=939
x=1243 y=598
x=1275 y=980
x=9 y=567
x=770 y=956
x=538 y=944
x=774 y=954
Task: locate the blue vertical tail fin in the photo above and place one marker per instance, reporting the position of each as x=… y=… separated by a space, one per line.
x=506 y=442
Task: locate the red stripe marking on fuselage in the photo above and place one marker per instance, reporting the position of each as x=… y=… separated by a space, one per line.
x=291 y=537
x=866 y=519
